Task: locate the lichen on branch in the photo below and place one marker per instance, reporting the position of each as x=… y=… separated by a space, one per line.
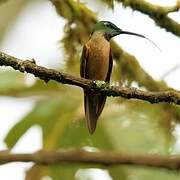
x=29 y=66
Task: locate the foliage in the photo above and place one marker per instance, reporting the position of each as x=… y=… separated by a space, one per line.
x=125 y=125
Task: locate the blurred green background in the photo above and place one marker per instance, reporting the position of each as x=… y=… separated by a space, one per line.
x=53 y=33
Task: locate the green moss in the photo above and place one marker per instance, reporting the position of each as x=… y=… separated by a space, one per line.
x=100 y=84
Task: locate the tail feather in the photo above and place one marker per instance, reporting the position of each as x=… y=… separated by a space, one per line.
x=93 y=105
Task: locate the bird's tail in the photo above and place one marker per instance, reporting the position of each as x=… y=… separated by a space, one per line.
x=93 y=105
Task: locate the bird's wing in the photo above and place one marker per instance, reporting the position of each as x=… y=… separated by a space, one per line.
x=84 y=58
x=110 y=67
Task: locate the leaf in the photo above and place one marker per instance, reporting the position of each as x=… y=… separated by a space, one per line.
x=36 y=172
x=45 y=113
x=136 y=126
x=53 y=128
x=19 y=129
x=71 y=137
x=11 y=81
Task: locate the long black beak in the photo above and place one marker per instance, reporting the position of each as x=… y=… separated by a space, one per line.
x=131 y=33
x=139 y=35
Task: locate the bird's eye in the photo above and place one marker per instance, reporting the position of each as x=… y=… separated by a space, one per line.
x=108 y=25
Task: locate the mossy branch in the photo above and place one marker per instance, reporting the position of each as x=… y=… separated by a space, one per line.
x=29 y=66
x=158 y=13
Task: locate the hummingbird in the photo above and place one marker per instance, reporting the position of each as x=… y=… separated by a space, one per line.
x=96 y=64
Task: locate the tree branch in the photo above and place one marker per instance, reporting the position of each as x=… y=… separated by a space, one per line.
x=103 y=158
x=45 y=74
x=158 y=13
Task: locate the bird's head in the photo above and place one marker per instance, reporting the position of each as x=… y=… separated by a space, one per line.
x=107 y=28
x=110 y=30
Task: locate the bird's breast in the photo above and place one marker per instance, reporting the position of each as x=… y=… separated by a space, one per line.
x=98 y=59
